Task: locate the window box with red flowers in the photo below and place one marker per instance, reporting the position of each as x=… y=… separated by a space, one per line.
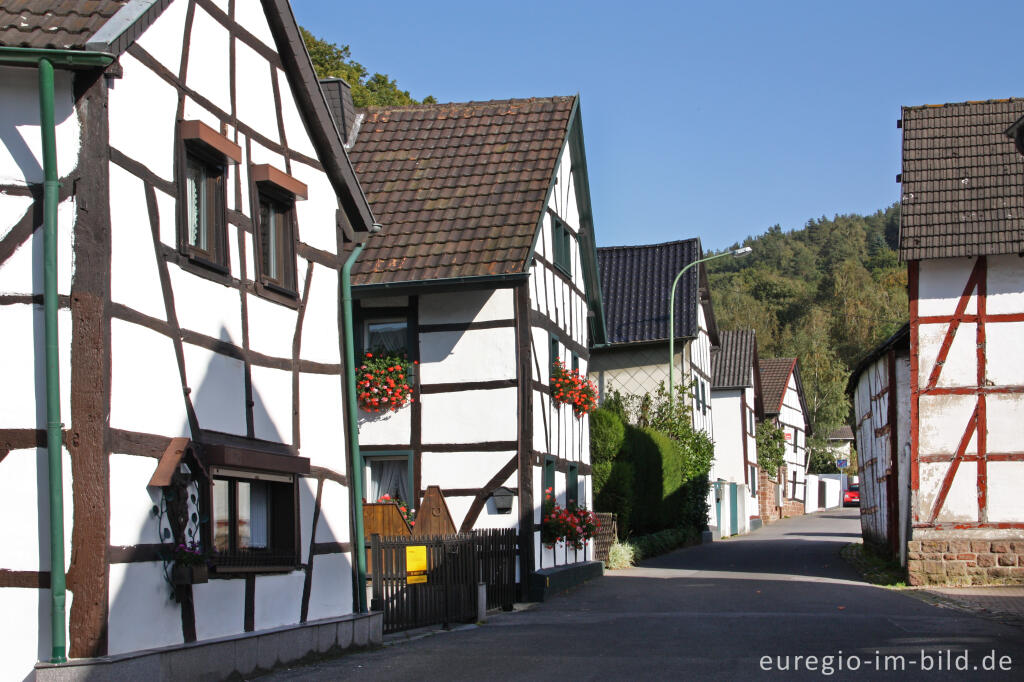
x=569 y=387
x=572 y=524
x=383 y=382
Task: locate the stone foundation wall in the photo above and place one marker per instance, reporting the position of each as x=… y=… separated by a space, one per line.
x=958 y=561
x=770 y=511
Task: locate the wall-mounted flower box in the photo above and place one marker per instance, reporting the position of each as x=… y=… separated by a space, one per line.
x=189 y=575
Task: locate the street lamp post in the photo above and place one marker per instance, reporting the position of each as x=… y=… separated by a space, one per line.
x=672 y=317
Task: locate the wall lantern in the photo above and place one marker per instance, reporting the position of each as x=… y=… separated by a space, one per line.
x=503 y=500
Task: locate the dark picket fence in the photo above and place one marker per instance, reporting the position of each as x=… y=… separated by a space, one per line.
x=455 y=565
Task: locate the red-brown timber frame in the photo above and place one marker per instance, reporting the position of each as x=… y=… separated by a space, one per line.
x=978 y=423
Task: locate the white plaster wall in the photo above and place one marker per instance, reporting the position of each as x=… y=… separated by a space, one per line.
x=469 y=306
x=21 y=159
x=1005 y=502
x=272 y=412
x=330 y=594
x=961 y=503
x=333 y=525
x=141 y=613
x=1005 y=285
x=322 y=420
x=219 y=608
x=385 y=428
x=250 y=16
x=197 y=112
x=22 y=272
x=811 y=501
x=961 y=366
x=271 y=327
x=165 y=208
x=134 y=278
x=942 y=421
x=1003 y=342
x=464 y=469
x=278 y=600
x=141 y=95
x=26 y=637
x=207 y=307
x=23 y=368
x=132 y=500
x=145 y=387
x=729 y=434
x=315 y=215
x=470 y=416
x=218 y=389
x=209 y=68
x=294 y=125
x=163 y=38
x=24 y=494
x=941 y=283
x=473 y=355
x=255 y=101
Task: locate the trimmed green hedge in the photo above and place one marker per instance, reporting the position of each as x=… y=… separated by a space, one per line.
x=607 y=433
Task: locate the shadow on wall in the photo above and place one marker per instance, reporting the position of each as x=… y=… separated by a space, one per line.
x=143 y=613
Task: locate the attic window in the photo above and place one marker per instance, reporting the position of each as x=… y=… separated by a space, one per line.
x=276 y=229
x=561 y=245
x=203 y=234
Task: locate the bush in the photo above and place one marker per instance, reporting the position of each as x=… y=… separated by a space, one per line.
x=614 y=491
x=658 y=464
x=663 y=541
x=607 y=433
x=620 y=555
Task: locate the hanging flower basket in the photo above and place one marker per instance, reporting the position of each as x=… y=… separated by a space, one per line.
x=569 y=387
x=382 y=382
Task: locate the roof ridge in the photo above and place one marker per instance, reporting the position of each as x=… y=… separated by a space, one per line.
x=650 y=246
x=471 y=103
x=1004 y=100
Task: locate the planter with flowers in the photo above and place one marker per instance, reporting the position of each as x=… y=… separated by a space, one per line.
x=408 y=513
x=382 y=382
x=573 y=524
x=569 y=387
x=189 y=565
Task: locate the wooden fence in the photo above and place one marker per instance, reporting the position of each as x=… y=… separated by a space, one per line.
x=455 y=565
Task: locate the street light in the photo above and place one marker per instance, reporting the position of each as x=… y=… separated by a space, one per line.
x=738 y=253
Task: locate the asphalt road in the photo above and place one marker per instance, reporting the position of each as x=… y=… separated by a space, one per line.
x=712 y=611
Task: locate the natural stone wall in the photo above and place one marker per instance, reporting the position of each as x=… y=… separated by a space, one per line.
x=769 y=511
x=959 y=561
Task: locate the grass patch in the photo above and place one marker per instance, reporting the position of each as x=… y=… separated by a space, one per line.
x=876 y=568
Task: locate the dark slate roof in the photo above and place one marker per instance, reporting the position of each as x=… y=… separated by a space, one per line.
x=963 y=181
x=844 y=432
x=775 y=373
x=53 y=24
x=635 y=282
x=459 y=188
x=732 y=361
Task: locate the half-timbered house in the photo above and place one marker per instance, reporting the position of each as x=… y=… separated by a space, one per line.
x=635 y=282
x=880 y=386
x=738 y=408
x=202 y=204
x=486 y=278
x=962 y=237
x=784 y=404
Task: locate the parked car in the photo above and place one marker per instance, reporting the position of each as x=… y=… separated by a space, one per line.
x=851 y=498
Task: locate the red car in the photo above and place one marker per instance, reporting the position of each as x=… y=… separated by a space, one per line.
x=851 y=498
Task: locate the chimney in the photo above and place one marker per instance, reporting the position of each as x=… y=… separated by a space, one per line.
x=339 y=100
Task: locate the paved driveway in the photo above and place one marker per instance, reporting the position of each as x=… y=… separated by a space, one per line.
x=712 y=611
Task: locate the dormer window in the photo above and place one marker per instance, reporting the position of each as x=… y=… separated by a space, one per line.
x=206 y=155
x=276 y=229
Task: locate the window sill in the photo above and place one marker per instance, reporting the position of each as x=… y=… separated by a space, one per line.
x=206 y=269
x=278 y=294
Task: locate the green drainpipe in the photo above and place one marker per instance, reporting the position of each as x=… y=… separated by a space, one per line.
x=356 y=472
x=45 y=60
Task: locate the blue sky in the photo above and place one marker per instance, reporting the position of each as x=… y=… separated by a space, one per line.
x=716 y=119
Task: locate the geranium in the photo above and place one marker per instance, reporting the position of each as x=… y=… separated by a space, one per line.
x=572 y=524
x=382 y=382
x=569 y=387
x=408 y=513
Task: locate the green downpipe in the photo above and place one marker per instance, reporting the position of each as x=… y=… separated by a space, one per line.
x=54 y=438
x=356 y=473
x=45 y=59
x=51 y=193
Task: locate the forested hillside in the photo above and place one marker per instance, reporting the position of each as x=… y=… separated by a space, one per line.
x=827 y=294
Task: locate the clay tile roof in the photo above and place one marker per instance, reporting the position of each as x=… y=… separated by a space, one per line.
x=53 y=24
x=963 y=181
x=775 y=374
x=732 y=361
x=459 y=188
x=635 y=282
x=844 y=432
